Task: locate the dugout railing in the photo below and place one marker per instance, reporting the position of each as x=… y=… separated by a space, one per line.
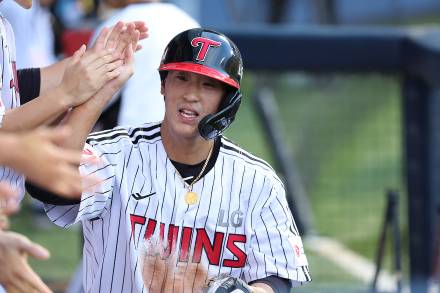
x=411 y=54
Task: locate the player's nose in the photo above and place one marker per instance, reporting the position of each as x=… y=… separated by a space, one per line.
x=192 y=94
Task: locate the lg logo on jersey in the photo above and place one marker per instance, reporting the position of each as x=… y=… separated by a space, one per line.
x=235 y=219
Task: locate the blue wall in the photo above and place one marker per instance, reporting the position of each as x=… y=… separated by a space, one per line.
x=220 y=13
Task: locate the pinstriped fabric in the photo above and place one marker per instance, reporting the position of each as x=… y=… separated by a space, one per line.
x=10 y=97
x=241 y=225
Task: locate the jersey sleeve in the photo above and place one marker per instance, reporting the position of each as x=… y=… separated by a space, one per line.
x=276 y=246
x=96 y=199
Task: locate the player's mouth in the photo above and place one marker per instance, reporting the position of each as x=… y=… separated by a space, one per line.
x=188 y=114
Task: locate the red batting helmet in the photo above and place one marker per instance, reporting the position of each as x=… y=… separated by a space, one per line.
x=212 y=54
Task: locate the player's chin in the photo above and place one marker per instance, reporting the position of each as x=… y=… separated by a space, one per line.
x=189 y=131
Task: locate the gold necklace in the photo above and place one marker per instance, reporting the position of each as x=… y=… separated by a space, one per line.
x=191 y=197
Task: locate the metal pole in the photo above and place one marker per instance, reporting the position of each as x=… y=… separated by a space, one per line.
x=382 y=241
x=268 y=113
x=393 y=197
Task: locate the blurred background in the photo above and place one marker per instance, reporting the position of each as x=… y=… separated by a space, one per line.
x=351 y=129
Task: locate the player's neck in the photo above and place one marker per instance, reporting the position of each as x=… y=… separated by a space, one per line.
x=186 y=151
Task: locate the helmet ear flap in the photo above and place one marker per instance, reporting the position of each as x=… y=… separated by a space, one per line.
x=214 y=125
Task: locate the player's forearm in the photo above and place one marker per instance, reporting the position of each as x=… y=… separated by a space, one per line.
x=83 y=117
x=37 y=112
x=51 y=76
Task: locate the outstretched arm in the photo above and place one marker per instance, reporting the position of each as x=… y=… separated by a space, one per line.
x=84 y=75
x=37 y=154
x=84 y=117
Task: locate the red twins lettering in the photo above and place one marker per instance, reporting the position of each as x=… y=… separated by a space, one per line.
x=212 y=249
x=13 y=83
x=204 y=44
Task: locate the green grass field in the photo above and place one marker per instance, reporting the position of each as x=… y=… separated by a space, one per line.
x=345 y=135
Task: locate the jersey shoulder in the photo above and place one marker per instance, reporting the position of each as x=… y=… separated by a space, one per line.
x=233 y=151
x=122 y=136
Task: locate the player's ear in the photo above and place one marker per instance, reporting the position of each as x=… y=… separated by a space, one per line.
x=162 y=87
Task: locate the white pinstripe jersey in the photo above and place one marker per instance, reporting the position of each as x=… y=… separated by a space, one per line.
x=241 y=226
x=10 y=97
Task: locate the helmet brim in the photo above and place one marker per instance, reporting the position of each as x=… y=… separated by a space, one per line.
x=200 y=69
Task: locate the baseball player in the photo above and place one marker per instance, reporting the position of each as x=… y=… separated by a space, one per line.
x=182 y=208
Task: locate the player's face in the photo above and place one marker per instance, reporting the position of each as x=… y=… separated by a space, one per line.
x=24 y=3
x=188 y=98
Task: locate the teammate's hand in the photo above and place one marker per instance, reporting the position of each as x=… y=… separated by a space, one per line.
x=131 y=38
x=15 y=273
x=120 y=39
x=120 y=36
x=37 y=155
x=86 y=73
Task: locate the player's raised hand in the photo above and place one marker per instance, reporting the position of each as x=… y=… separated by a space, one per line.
x=120 y=36
x=38 y=155
x=86 y=72
x=15 y=273
x=125 y=71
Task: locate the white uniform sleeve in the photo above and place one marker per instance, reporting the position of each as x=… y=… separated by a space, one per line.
x=94 y=202
x=276 y=246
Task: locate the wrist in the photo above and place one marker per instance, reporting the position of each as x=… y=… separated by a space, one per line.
x=103 y=96
x=63 y=97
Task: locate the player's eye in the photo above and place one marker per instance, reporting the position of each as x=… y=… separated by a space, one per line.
x=212 y=84
x=209 y=84
x=181 y=76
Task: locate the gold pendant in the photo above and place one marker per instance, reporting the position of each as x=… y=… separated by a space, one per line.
x=191 y=197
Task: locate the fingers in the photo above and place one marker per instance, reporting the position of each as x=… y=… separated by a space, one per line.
x=129 y=55
x=138 y=47
x=23 y=244
x=101 y=39
x=134 y=41
x=124 y=39
x=110 y=70
x=31 y=281
x=78 y=54
x=179 y=277
x=4 y=222
x=142 y=28
x=9 y=203
x=69 y=182
x=200 y=276
x=95 y=60
x=113 y=37
x=15 y=273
